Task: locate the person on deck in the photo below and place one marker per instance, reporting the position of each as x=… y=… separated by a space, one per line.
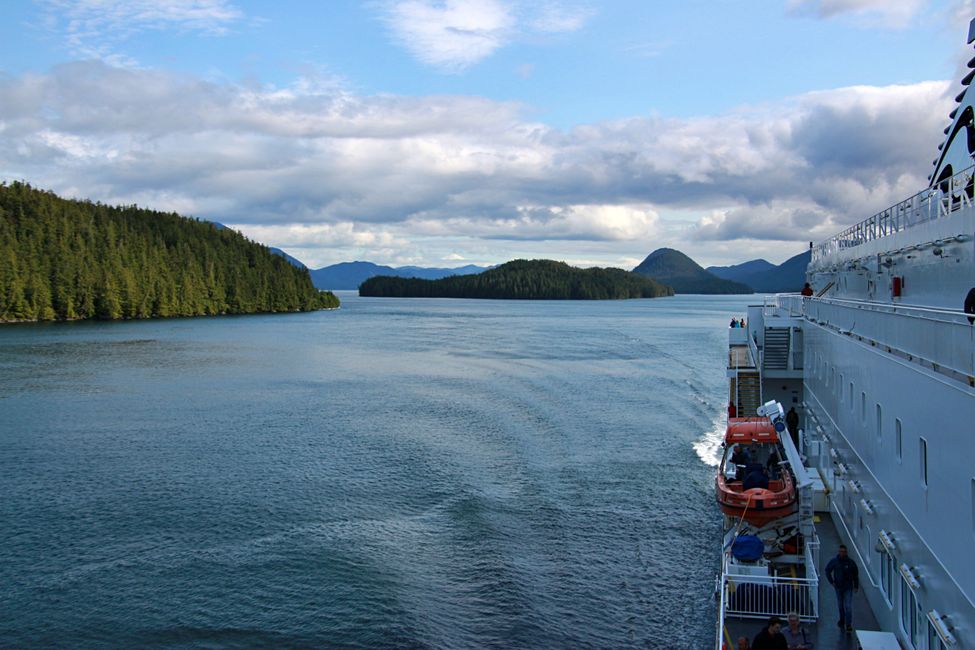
x=792 y=423
x=843 y=574
x=807 y=291
x=770 y=638
x=732 y=411
x=795 y=635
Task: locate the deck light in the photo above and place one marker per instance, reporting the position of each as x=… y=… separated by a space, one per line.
x=887 y=541
x=941 y=627
x=909 y=575
x=867 y=506
x=854 y=486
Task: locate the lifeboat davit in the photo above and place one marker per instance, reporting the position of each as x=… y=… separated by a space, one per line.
x=751 y=482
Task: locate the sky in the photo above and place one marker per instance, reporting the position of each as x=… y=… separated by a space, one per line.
x=450 y=132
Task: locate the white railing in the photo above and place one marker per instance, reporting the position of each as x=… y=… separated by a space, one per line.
x=939 y=337
x=940 y=201
x=782 y=304
x=750 y=596
x=737 y=336
x=721 y=612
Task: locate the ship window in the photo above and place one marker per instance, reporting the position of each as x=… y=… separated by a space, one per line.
x=898 y=439
x=886 y=574
x=880 y=423
x=934 y=641
x=839 y=388
x=863 y=407
x=923 y=457
x=908 y=613
x=851 y=397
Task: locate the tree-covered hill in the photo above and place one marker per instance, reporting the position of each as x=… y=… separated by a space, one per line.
x=63 y=260
x=684 y=274
x=523 y=280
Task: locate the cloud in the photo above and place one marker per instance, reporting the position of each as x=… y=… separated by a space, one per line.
x=95 y=28
x=453 y=35
x=896 y=14
x=319 y=168
x=450 y=35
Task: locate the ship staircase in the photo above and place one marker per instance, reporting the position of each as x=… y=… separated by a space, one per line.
x=776 y=355
x=748 y=389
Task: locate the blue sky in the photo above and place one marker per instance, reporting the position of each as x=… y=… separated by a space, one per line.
x=443 y=133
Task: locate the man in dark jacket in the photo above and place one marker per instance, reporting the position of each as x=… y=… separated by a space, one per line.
x=770 y=638
x=792 y=422
x=843 y=574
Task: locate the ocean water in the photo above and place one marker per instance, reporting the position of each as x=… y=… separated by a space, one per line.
x=394 y=474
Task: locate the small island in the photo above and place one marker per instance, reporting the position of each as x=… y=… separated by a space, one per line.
x=523 y=280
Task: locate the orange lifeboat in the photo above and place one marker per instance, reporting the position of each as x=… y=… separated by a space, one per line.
x=751 y=483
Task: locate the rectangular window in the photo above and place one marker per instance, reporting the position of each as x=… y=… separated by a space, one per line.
x=898 y=440
x=908 y=609
x=934 y=641
x=851 y=397
x=923 y=457
x=863 y=407
x=839 y=388
x=886 y=574
x=880 y=423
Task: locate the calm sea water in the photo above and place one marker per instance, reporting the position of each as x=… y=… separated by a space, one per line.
x=397 y=473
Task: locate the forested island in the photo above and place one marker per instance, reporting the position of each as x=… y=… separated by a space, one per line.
x=523 y=280
x=63 y=259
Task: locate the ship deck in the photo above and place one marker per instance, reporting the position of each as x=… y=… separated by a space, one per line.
x=823 y=633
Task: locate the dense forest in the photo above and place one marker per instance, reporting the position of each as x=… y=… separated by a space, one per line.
x=64 y=260
x=523 y=280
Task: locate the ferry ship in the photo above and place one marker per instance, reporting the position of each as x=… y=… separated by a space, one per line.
x=879 y=365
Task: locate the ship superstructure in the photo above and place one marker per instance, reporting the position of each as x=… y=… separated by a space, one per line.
x=879 y=363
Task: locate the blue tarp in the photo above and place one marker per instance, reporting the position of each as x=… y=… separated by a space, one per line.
x=747 y=548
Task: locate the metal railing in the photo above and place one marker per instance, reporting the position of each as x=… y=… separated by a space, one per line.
x=759 y=596
x=933 y=203
x=940 y=337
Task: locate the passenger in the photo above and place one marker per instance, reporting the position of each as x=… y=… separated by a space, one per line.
x=772 y=464
x=792 y=422
x=734 y=323
x=807 y=290
x=770 y=638
x=795 y=634
x=741 y=323
x=743 y=644
x=843 y=574
x=741 y=458
x=755 y=477
x=732 y=411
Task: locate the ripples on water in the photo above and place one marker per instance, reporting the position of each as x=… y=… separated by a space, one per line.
x=398 y=473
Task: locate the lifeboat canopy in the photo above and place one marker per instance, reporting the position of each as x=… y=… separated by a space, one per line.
x=746 y=431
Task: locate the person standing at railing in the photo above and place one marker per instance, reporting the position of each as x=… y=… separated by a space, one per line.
x=795 y=634
x=807 y=291
x=843 y=574
x=770 y=638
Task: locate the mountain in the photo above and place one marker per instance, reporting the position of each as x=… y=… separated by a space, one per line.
x=737 y=271
x=63 y=259
x=523 y=280
x=764 y=277
x=294 y=261
x=349 y=275
x=673 y=268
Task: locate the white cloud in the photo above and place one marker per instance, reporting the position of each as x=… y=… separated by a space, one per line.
x=451 y=35
x=329 y=173
x=95 y=28
x=889 y=13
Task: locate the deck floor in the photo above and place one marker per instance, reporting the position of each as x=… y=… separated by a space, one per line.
x=824 y=633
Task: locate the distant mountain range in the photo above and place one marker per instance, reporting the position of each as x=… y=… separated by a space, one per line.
x=523 y=280
x=763 y=276
x=677 y=270
x=349 y=275
x=666 y=265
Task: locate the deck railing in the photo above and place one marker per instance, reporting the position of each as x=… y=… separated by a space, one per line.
x=751 y=596
x=948 y=196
